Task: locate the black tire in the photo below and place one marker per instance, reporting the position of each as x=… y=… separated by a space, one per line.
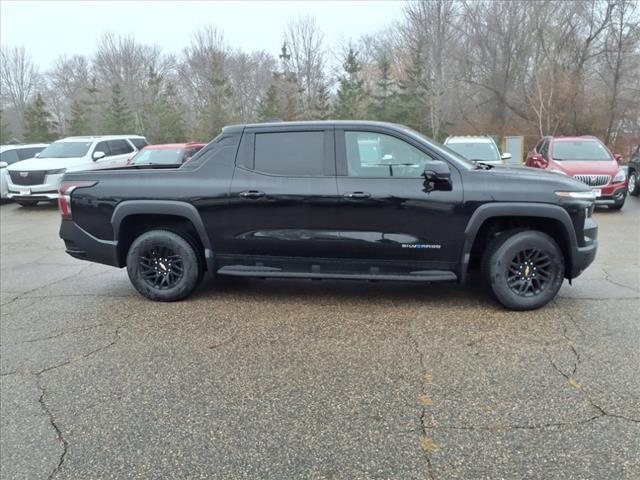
x=26 y=203
x=524 y=269
x=634 y=188
x=616 y=206
x=163 y=266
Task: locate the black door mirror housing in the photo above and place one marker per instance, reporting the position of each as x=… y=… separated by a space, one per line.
x=437 y=176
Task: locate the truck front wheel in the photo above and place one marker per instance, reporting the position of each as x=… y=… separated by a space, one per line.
x=163 y=266
x=525 y=269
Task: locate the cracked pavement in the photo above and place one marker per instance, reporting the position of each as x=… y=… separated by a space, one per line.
x=291 y=379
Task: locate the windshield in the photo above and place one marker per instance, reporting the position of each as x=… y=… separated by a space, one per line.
x=159 y=157
x=481 y=152
x=66 y=150
x=582 y=150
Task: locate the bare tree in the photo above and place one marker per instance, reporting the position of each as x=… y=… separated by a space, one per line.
x=250 y=75
x=621 y=64
x=19 y=79
x=122 y=60
x=304 y=43
x=203 y=74
x=66 y=82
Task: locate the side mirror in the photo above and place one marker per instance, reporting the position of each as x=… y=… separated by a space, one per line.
x=37 y=155
x=505 y=156
x=98 y=155
x=437 y=176
x=3 y=164
x=618 y=157
x=387 y=158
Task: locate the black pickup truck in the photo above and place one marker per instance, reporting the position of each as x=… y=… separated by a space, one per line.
x=332 y=200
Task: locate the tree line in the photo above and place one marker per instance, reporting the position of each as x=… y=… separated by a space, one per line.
x=447 y=67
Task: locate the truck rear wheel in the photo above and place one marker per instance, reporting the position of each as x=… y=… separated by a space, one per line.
x=163 y=266
x=525 y=269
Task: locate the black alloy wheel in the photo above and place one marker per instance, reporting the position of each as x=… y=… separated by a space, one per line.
x=161 y=267
x=164 y=266
x=530 y=272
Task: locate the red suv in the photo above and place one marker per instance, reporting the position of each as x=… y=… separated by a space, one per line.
x=586 y=159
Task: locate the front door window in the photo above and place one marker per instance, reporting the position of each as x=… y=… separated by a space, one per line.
x=371 y=154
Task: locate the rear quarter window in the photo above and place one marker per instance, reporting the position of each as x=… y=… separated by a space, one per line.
x=139 y=143
x=222 y=150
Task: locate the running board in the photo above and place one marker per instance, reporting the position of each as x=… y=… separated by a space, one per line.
x=273 y=272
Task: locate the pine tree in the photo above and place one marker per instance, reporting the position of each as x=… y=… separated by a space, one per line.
x=162 y=118
x=5 y=130
x=172 y=124
x=385 y=106
x=117 y=118
x=39 y=126
x=282 y=99
x=414 y=94
x=351 y=92
x=322 y=108
x=79 y=123
x=217 y=109
x=268 y=109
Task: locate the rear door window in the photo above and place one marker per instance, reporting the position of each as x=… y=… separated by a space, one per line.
x=26 y=153
x=119 y=147
x=9 y=156
x=290 y=153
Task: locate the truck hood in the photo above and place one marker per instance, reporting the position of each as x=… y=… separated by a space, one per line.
x=577 y=167
x=532 y=174
x=522 y=176
x=47 y=164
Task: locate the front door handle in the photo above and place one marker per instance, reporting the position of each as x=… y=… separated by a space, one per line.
x=252 y=194
x=358 y=195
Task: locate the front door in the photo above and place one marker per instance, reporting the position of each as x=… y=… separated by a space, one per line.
x=387 y=211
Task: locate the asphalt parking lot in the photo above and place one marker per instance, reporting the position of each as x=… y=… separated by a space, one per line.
x=290 y=379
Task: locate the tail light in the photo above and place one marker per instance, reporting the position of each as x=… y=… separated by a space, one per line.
x=64 y=199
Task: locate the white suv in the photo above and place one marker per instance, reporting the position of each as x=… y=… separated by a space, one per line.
x=477 y=149
x=10 y=154
x=38 y=179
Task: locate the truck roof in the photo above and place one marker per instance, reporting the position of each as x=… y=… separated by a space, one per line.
x=314 y=123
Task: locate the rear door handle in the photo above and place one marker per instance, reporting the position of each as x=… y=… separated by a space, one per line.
x=252 y=194
x=358 y=195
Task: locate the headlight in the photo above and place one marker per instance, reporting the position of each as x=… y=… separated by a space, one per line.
x=578 y=195
x=620 y=176
x=56 y=172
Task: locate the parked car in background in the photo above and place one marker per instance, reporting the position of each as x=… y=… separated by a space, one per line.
x=10 y=154
x=166 y=154
x=634 y=173
x=307 y=200
x=477 y=149
x=586 y=159
x=38 y=179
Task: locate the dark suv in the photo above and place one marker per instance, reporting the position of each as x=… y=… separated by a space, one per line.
x=332 y=200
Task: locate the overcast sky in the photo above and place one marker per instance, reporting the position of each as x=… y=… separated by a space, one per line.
x=50 y=28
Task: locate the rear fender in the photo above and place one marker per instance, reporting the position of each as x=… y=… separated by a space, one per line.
x=164 y=207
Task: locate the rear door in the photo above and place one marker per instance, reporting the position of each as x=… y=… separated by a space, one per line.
x=282 y=194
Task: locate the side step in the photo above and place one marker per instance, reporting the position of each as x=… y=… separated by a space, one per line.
x=273 y=272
